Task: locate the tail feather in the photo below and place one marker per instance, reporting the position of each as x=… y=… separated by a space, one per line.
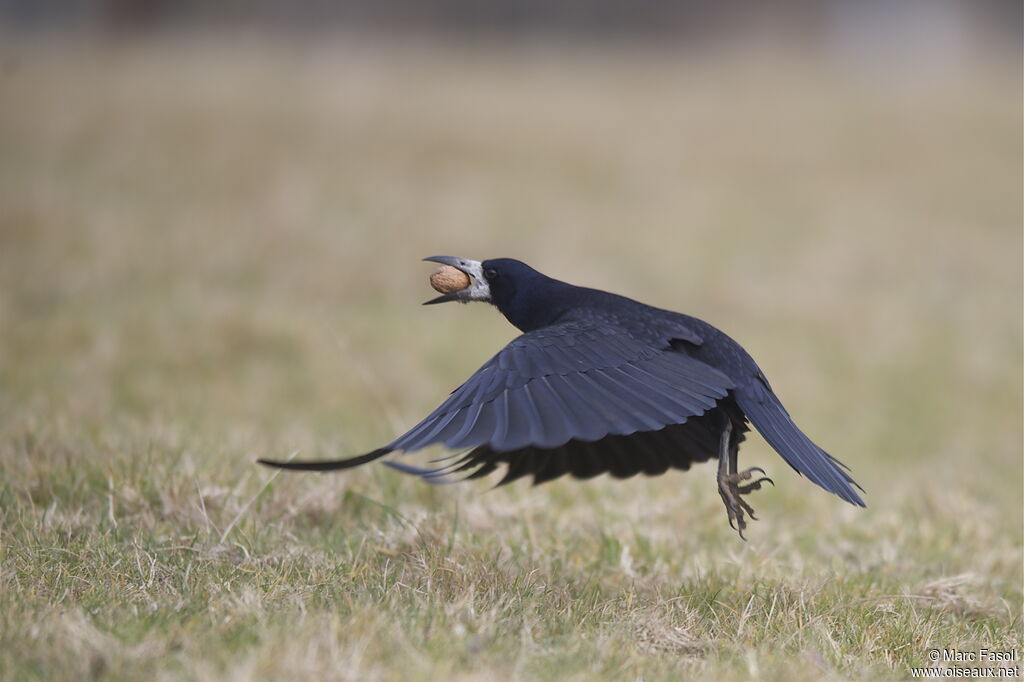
x=770 y=418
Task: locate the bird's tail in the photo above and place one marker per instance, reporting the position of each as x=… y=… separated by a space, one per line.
x=325 y=464
x=770 y=418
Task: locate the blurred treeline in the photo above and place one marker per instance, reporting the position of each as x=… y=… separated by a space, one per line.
x=858 y=24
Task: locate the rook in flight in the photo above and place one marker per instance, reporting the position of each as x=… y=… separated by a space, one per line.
x=601 y=383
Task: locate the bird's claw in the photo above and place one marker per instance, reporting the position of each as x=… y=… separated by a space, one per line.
x=731 y=492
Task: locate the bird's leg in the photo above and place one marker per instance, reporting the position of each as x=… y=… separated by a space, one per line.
x=729 y=479
x=727 y=488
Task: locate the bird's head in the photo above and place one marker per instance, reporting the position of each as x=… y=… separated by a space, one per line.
x=510 y=285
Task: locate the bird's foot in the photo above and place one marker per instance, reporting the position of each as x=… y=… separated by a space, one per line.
x=731 y=491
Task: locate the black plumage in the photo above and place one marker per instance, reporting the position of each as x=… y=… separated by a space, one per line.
x=601 y=383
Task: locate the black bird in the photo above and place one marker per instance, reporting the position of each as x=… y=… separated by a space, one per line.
x=599 y=382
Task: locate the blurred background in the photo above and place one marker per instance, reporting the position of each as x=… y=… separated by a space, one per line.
x=211 y=214
x=217 y=209
x=911 y=23
x=211 y=220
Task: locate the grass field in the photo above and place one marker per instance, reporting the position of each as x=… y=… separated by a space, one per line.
x=209 y=254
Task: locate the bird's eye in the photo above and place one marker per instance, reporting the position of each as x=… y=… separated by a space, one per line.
x=491 y=273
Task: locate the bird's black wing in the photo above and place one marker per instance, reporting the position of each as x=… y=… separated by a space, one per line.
x=568 y=382
x=676 y=446
x=770 y=418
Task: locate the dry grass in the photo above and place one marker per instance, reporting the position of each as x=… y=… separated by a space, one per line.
x=208 y=253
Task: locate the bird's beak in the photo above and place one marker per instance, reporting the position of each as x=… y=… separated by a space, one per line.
x=478 y=289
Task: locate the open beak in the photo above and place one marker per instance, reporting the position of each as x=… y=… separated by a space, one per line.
x=478 y=289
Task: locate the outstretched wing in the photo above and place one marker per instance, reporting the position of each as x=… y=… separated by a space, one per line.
x=567 y=382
